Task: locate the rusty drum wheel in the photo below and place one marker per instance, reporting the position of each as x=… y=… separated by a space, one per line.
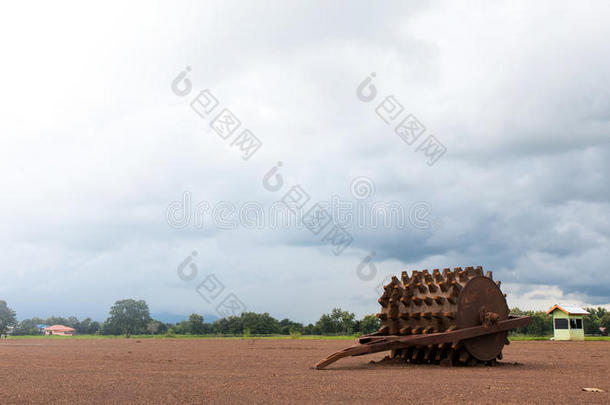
x=448 y=317
x=481 y=301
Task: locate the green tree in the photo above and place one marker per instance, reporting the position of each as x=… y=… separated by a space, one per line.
x=308 y=329
x=83 y=326
x=594 y=320
x=56 y=320
x=260 y=324
x=153 y=327
x=195 y=324
x=106 y=329
x=542 y=324
x=348 y=323
x=605 y=322
x=231 y=325
x=327 y=325
x=28 y=327
x=128 y=316
x=181 y=328
x=73 y=323
x=163 y=328
x=94 y=328
x=369 y=324
x=338 y=321
x=287 y=327
x=7 y=317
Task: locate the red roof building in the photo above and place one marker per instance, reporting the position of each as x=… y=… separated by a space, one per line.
x=59 y=330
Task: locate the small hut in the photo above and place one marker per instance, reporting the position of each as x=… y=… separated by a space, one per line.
x=568 y=322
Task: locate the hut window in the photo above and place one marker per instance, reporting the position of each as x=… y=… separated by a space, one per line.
x=561 y=323
x=576 y=323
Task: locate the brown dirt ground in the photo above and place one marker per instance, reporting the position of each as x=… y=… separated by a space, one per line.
x=280 y=371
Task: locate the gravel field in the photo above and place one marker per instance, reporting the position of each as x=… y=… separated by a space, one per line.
x=280 y=371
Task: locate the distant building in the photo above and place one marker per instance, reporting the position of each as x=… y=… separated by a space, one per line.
x=59 y=330
x=568 y=322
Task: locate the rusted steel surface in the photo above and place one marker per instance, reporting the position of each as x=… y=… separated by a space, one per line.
x=446 y=317
x=374 y=344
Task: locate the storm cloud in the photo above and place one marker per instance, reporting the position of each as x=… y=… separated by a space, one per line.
x=95 y=145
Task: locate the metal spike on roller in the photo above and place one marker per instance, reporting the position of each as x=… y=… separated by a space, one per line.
x=449 y=317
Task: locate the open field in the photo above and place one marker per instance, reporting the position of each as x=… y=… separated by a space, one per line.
x=528 y=337
x=122 y=337
x=273 y=337
x=279 y=371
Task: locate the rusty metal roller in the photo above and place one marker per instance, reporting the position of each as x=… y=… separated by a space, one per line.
x=457 y=316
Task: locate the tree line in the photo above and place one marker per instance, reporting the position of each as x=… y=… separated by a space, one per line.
x=130 y=317
x=337 y=322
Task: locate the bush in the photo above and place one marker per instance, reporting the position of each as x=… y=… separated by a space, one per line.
x=294 y=334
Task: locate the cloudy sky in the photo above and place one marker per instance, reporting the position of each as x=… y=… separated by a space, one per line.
x=110 y=179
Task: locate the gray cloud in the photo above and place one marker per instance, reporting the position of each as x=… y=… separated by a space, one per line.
x=96 y=146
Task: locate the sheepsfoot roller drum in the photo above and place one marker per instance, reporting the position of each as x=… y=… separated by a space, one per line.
x=444 y=317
